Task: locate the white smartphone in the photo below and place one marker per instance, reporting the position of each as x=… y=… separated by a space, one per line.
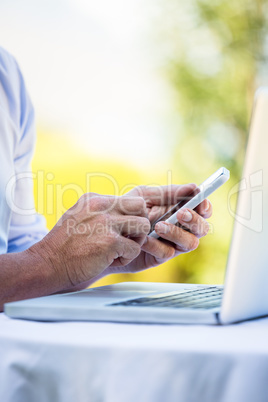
x=195 y=198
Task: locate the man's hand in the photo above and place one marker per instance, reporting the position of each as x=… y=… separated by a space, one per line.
x=101 y=235
x=97 y=232
x=173 y=239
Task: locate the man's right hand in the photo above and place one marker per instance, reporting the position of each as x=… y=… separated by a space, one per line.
x=96 y=232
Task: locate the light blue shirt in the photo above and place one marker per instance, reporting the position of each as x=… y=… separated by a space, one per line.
x=20 y=226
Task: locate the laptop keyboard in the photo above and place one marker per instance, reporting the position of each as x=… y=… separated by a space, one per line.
x=203 y=298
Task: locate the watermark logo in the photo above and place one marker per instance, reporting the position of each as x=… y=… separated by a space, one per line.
x=50 y=196
x=249 y=211
x=50 y=200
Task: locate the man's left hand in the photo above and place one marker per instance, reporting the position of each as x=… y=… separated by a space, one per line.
x=173 y=240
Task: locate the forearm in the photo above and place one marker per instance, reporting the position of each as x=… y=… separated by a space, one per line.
x=26 y=275
x=67 y=260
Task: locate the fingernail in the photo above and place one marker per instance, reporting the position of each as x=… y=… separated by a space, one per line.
x=161 y=227
x=207 y=206
x=186 y=215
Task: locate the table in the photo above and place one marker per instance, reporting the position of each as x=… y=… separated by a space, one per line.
x=108 y=362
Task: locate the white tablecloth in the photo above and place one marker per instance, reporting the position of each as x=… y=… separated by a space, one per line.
x=97 y=362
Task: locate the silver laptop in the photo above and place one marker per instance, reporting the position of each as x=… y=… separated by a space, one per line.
x=245 y=292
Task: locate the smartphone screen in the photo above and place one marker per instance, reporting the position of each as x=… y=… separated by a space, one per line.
x=178 y=206
x=195 y=198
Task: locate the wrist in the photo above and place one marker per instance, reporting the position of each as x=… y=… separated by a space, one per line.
x=26 y=275
x=46 y=266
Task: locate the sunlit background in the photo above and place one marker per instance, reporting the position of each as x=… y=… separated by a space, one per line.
x=140 y=92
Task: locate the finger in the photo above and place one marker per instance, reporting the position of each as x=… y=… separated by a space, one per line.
x=127 y=251
x=193 y=221
x=164 y=195
x=156 y=211
x=161 y=250
x=132 y=226
x=204 y=209
x=132 y=206
x=94 y=203
x=183 y=240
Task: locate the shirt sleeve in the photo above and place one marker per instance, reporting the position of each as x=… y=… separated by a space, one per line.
x=26 y=226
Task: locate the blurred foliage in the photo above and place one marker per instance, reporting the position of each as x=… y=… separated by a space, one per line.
x=213 y=53
x=214 y=63
x=215 y=56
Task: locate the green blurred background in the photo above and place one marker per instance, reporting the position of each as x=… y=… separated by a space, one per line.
x=175 y=108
